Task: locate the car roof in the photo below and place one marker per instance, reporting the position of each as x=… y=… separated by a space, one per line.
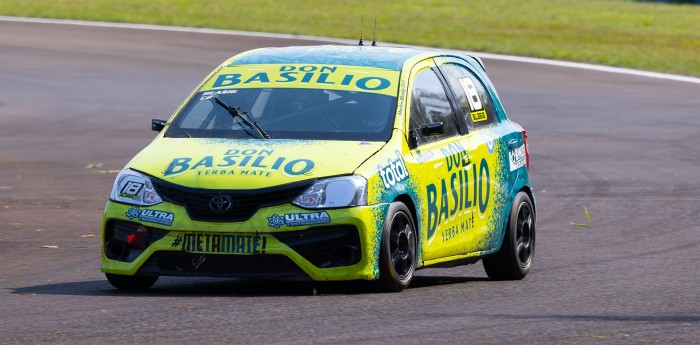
x=392 y=58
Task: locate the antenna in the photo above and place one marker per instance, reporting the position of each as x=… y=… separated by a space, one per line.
x=374 y=35
x=361 y=24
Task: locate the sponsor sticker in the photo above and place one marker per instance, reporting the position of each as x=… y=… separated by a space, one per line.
x=479 y=116
x=299 y=219
x=251 y=162
x=131 y=190
x=315 y=76
x=220 y=243
x=517 y=158
x=212 y=94
x=394 y=172
x=467 y=190
x=150 y=216
x=472 y=94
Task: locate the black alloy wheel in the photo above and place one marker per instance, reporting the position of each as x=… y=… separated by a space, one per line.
x=397 y=261
x=514 y=260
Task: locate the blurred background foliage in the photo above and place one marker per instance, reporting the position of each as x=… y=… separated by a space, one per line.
x=644 y=35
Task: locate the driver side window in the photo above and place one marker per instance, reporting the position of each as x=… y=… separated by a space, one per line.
x=430 y=106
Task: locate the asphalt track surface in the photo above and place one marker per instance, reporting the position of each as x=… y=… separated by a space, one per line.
x=76 y=104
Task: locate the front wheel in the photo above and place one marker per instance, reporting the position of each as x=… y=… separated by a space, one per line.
x=397 y=255
x=514 y=260
x=123 y=282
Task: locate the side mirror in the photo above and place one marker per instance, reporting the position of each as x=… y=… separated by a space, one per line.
x=435 y=128
x=158 y=124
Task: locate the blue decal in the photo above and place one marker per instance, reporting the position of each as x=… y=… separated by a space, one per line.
x=275 y=221
x=133 y=213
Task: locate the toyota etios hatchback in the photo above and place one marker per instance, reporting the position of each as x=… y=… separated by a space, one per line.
x=328 y=163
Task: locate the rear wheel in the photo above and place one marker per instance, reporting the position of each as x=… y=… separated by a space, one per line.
x=397 y=255
x=514 y=260
x=123 y=282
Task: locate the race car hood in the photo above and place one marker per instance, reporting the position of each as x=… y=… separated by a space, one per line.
x=249 y=163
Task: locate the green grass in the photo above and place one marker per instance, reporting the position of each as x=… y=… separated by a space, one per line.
x=640 y=35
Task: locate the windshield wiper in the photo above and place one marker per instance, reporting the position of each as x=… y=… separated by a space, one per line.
x=238 y=112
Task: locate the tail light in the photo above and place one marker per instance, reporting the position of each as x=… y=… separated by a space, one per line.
x=527 y=152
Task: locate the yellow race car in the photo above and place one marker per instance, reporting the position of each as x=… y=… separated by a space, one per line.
x=328 y=163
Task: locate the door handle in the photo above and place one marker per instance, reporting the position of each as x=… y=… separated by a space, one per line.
x=466 y=159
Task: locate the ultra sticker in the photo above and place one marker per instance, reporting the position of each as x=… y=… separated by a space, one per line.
x=299 y=219
x=221 y=243
x=517 y=158
x=479 y=116
x=150 y=216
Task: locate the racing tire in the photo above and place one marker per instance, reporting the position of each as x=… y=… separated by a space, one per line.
x=397 y=254
x=514 y=260
x=123 y=282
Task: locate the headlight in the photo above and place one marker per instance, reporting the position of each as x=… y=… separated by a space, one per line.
x=134 y=188
x=334 y=192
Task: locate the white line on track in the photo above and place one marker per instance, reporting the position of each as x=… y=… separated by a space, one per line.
x=347 y=41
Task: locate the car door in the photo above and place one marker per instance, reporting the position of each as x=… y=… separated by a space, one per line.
x=438 y=155
x=486 y=174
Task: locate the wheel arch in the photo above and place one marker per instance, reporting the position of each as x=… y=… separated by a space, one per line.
x=408 y=201
x=504 y=227
x=531 y=195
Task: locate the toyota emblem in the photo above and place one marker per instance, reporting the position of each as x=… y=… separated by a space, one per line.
x=220 y=203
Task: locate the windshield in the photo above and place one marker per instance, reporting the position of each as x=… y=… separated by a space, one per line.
x=288 y=113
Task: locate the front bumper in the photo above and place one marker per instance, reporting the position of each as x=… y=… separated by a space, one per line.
x=276 y=242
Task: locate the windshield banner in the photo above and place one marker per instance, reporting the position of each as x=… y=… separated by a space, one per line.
x=334 y=77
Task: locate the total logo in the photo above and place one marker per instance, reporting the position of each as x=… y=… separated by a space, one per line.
x=394 y=172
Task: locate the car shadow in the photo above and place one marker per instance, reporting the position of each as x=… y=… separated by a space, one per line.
x=169 y=287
